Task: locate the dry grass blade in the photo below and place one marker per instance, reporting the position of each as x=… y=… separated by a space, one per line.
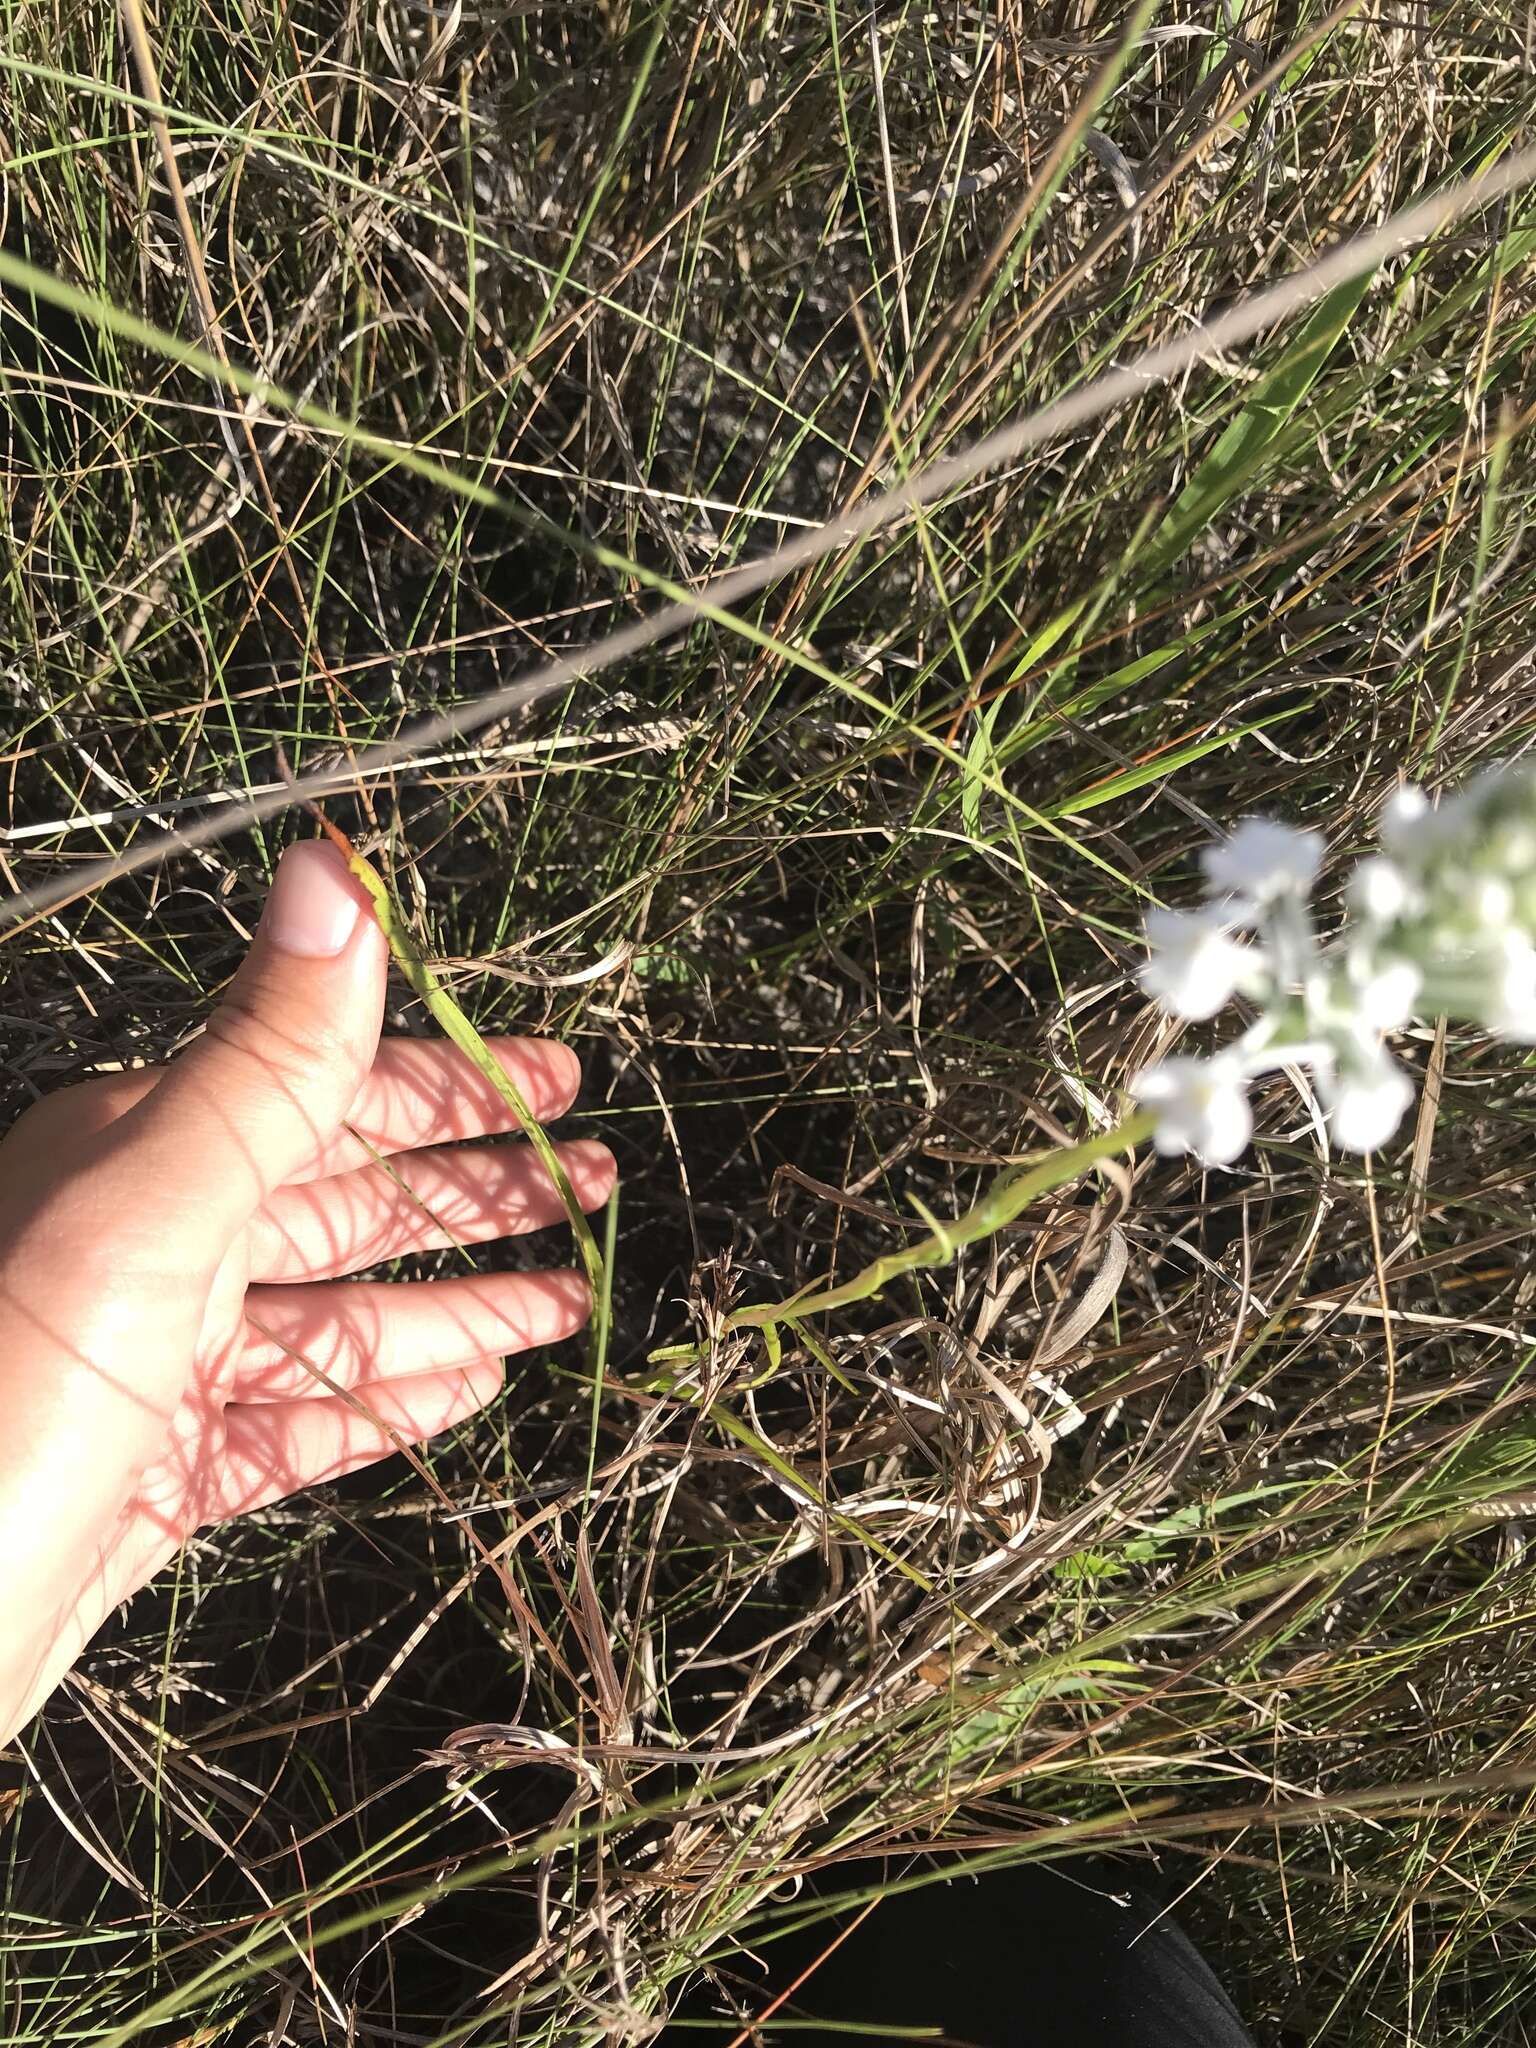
x=1161 y=365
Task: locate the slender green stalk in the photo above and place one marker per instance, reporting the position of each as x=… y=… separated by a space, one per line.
x=454 y=1025
x=1007 y=1198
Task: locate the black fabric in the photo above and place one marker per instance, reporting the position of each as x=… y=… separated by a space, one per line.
x=1037 y=1958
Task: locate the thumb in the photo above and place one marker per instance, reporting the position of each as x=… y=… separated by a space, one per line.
x=283 y=1056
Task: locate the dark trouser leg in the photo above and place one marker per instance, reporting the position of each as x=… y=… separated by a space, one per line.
x=1078 y=1956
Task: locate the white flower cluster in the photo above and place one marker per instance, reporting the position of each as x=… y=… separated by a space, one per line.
x=1441 y=921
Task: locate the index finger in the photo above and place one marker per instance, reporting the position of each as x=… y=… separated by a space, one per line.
x=419 y=1091
x=423 y=1091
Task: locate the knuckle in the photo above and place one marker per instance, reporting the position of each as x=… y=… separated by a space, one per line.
x=291 y=1048
x=79 y=1110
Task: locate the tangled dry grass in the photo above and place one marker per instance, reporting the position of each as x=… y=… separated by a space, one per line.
x=1188 y=1516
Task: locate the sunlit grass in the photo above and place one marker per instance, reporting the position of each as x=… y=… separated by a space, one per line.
x=574 y=306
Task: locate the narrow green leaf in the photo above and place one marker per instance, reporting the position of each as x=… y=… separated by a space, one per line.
x=1242 y=447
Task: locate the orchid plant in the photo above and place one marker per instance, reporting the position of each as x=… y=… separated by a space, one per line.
x=1441 y=922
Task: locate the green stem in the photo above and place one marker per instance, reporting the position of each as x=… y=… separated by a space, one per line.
x=1008 y=1195
x=456 y=1026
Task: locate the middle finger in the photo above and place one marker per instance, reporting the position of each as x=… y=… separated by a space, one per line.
x=420 y=1201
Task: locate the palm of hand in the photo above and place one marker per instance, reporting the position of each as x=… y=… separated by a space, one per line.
x=179 y=1338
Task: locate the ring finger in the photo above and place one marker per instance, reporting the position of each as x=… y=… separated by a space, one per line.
x=365 y=1330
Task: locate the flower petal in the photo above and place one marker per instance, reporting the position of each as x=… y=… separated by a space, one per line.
x=1386 y=997
x=1379 y=889
x=1203 y=1108
x=1512 y=1007
x=1195 y=966
x=1263 y=859
x=1366 y=1102
x=1402 y=816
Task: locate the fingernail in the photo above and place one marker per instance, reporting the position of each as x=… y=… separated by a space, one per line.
x=313 y=907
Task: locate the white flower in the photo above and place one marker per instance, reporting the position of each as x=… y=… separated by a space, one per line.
x=1421 y=834
x=1366 y=1098
x=1443 y=921
x=1512 y=848
x=1511 y=1009
x=1194 y=966
x=1385 y=998
x=1491 y=901
x=1403 y=817
x=1379 y=889
x=1202 y=1107
x=1264 y=859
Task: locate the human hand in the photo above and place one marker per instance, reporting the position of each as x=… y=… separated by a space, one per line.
x=172 y=1243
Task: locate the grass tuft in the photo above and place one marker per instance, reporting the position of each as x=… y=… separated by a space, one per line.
x=392 y=356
